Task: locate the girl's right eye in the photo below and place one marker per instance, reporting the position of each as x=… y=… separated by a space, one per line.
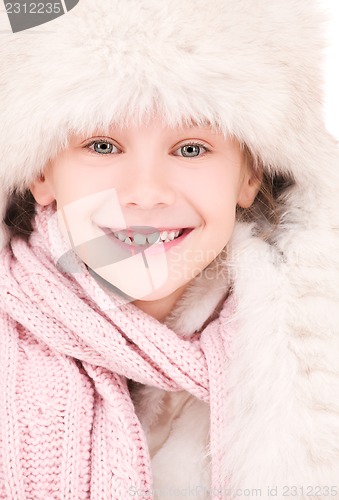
x=102 y=147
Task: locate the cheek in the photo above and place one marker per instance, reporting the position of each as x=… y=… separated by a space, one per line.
x=217 y=197
x=220 y=210
x=69 y=186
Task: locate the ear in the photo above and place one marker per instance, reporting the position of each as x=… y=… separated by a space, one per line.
x=249 y=187
x=42 y=190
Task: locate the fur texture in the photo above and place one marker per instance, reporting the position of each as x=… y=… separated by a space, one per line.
x=251 y=68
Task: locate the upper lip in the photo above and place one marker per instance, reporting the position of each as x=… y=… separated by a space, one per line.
x=146 y=229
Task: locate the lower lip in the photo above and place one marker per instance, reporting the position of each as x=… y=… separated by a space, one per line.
x=150 y=249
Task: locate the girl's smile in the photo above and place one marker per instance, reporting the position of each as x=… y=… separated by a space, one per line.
x=147 y=239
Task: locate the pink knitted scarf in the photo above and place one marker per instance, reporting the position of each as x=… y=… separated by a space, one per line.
x=68 y=425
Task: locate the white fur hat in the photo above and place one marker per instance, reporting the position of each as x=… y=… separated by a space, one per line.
x=251 y=68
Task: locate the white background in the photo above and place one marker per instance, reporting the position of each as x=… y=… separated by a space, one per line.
x=332 y=70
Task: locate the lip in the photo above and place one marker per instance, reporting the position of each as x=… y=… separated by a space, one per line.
x=146 y=230
x=151 y=249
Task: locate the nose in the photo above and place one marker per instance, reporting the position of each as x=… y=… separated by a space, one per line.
x=147 y=188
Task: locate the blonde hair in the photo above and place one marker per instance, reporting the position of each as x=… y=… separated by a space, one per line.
x=265 y=206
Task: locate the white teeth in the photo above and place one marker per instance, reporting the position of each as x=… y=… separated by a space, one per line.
x=139 y=239
x=153 y=238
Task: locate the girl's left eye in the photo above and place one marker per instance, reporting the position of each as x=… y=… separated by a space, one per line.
x=192 y=150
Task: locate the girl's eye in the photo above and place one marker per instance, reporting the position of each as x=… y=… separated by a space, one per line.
x=101 y=147
x=192 y=150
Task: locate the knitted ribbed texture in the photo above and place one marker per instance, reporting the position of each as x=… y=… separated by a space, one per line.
x=68 y=425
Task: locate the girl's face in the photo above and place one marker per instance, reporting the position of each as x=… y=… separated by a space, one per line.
x=160 y=179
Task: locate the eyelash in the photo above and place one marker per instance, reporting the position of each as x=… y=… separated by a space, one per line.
x=197 y=143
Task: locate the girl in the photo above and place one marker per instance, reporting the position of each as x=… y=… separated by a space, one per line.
x=169 y=265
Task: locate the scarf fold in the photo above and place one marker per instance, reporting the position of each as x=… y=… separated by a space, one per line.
x=67 y=349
